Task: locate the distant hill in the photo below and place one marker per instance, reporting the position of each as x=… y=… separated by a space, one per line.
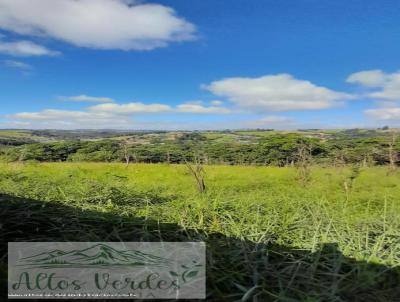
x=96 y=255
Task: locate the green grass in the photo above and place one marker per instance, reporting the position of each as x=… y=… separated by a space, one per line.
x=269 y=235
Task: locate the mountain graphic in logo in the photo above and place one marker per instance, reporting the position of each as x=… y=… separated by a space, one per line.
x=98 y=255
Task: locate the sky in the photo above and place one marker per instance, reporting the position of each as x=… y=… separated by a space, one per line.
x=199 y=64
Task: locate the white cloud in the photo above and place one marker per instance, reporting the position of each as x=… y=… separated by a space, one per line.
x=384 y=114
x=369 y=78
x=53 y=114
x=216 y=103
x=100 y=24
x=107 y=115
x=87 y=98
x=198 y=108
x=381 y=86
x=24 y=48
x=280 y=92
x=390 y=90
x=387 y=85
x=63 y=119
x=17 y=65
x=130 y=108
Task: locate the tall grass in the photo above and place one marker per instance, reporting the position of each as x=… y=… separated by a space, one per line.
x=270 y=237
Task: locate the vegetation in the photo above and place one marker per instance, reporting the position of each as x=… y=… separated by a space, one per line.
x=362 y=147
x=307 y=215
x=269 y=235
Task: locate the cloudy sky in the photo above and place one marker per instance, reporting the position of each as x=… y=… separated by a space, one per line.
x=179 y=64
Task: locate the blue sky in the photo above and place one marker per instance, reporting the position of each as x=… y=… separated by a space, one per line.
x=207 y=64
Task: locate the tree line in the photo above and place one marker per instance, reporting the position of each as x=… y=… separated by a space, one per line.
x=275 y=149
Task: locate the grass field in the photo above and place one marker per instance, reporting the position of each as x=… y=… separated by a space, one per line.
x=270 y=236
